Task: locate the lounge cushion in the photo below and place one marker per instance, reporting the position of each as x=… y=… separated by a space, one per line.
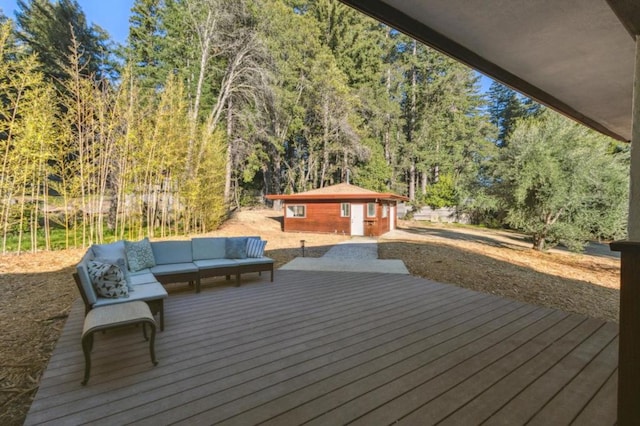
x=174 y=268
x=139 y=254
x=236 y=248
x=208 y=248
x=165 y=252
x=140 y=272
x=107 y=279
x=250 y=261
x=150 y=291
x=255 y=247
x=144 y=278
x=214 y=263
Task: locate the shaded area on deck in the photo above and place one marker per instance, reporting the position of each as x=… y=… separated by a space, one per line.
x=334 y=348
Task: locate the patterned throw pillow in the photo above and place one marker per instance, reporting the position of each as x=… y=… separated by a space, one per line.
x=107 y=279
x=139 y=255
x=255 y=247
x=122 y=264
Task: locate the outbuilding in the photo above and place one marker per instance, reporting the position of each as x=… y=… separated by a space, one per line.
x=343 y=208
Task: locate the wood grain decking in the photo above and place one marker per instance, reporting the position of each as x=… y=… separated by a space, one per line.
x=328 y=348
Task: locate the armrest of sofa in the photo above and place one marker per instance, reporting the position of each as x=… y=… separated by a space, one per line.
x=83 y=281
x=255 y=264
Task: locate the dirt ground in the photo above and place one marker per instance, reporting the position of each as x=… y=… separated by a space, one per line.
x=36 y=289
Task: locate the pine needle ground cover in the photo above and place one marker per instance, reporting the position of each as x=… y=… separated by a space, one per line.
x=36 y=289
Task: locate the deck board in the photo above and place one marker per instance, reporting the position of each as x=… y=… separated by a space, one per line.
x=564 y=405
x=598 y=411
x=437 y=398
x=334 y=348
x=530 y=401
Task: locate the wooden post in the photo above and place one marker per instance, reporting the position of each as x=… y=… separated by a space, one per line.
x=634 y=192
x=629 y=348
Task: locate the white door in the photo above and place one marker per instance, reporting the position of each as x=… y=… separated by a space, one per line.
x=392 y=218
x=357 y=219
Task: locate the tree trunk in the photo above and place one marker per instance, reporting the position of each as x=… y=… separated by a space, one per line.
x=387 y=124
x=205 y=35
x=412 y=121
x=325 y=142
x=412 y=181
x=538 y=242
x=229 y=163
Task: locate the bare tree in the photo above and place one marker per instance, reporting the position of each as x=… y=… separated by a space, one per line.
x=226 y=30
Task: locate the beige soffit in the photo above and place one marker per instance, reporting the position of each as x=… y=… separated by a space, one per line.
x=576 y=56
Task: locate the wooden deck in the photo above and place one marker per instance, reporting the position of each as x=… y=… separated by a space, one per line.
x=334 y=348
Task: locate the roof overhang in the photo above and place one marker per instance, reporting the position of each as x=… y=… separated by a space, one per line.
x=335 y=197
x=575 y=56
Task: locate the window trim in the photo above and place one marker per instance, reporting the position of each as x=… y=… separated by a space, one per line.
x=375 y=210
x=342 y=210
x=385 y=211
x=291 y=211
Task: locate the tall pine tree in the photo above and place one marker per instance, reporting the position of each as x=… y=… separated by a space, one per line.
x=48 y=28
x=506 y=107
x=145 y=42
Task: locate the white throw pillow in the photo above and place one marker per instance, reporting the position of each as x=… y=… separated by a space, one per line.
x=122 y=264
x=107 y=279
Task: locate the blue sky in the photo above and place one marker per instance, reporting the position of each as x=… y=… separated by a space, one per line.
x=111 y=15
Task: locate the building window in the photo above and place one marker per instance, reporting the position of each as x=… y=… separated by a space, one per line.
x=345 y=210
x=296 y=211
x=371 y=209
x=385 y=210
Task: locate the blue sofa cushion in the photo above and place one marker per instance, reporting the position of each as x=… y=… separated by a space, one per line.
x=214 y=263
x=151 y=291
x=139 y=254
x=253 y=261
x=165 y=252
x=174 y=268
x=208 y=248
x=141 y=278
x=236 y=248
x=109 y=251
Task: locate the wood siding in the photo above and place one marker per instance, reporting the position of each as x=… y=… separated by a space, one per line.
x=324 y=216
x=320 y=217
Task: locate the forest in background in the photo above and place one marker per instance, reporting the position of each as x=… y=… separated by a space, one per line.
x=212 y=104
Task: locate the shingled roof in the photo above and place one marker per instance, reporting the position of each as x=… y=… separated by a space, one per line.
x=340 y=191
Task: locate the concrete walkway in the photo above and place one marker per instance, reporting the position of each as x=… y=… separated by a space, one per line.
x=355 y=255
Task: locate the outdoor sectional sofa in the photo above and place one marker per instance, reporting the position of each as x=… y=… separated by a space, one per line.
x=148 y=265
